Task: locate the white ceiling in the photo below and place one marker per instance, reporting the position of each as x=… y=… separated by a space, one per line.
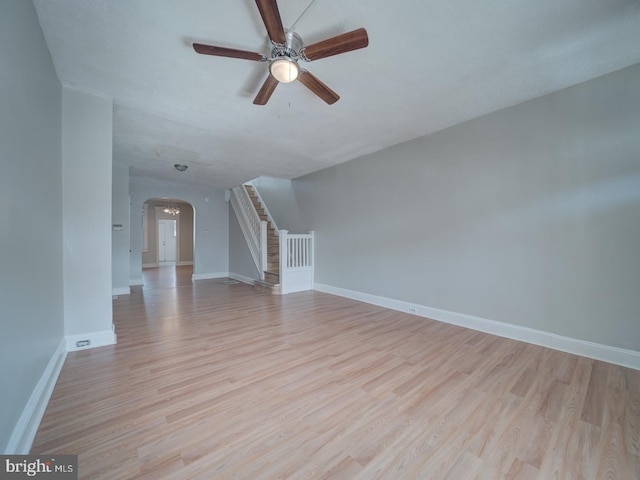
x=430 y=64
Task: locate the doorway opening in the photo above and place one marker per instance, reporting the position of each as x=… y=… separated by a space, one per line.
x=168 y=233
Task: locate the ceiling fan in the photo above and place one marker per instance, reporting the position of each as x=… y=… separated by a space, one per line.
x=286 y=51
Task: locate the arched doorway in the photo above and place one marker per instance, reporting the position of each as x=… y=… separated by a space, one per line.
x=168 y=235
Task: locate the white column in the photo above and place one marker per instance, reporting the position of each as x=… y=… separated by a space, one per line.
x=87 y=125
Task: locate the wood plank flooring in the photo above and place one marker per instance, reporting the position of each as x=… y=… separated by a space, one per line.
x=215 y=381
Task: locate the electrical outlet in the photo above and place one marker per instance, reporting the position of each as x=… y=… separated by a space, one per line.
x=413 y=310
x=83 y=343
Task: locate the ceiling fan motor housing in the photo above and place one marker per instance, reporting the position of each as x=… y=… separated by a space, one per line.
x=290 y=49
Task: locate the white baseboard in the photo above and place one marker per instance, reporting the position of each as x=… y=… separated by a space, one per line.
x=177 y=264
x=207 y=276
x=242 y=278
x=120 y=291
x=25 y=430
x=134 y=282
x=96 y=339
x=606 y=353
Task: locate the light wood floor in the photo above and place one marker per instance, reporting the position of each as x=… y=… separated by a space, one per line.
x=216 y=381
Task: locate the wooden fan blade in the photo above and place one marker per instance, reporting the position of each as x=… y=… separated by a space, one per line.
x=265 y=92
x=227 y=52
x=339 y=44
x=316 y=86
x=272 y=21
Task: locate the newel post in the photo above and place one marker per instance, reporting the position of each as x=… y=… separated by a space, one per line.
x=263 y=248
x=284 y=247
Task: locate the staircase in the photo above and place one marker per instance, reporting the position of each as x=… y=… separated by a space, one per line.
x=285 y=262
x=272 y=273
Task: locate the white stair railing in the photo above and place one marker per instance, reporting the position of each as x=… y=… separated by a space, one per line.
x=264 y=206
x=296 y=250
x=253 y=229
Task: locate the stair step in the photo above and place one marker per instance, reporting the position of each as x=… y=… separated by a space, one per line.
x=267 y=287
x=272 y=277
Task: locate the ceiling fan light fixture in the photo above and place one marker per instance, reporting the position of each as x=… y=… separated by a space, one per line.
x=284 y=69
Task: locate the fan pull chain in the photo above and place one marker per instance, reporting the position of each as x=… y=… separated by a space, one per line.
x=305 y=11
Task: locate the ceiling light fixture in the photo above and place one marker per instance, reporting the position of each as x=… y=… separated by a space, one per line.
x=171 y=210
x=180 y=167
x=284 y=69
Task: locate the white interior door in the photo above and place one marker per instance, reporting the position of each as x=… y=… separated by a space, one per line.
x=167 y=242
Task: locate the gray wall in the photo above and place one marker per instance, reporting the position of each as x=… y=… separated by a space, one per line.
x=211 y=219
x=529 y=216
x=279 y=197
x=185 y=233
x=120 y=238
x=31 y=305
x=240 y=261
